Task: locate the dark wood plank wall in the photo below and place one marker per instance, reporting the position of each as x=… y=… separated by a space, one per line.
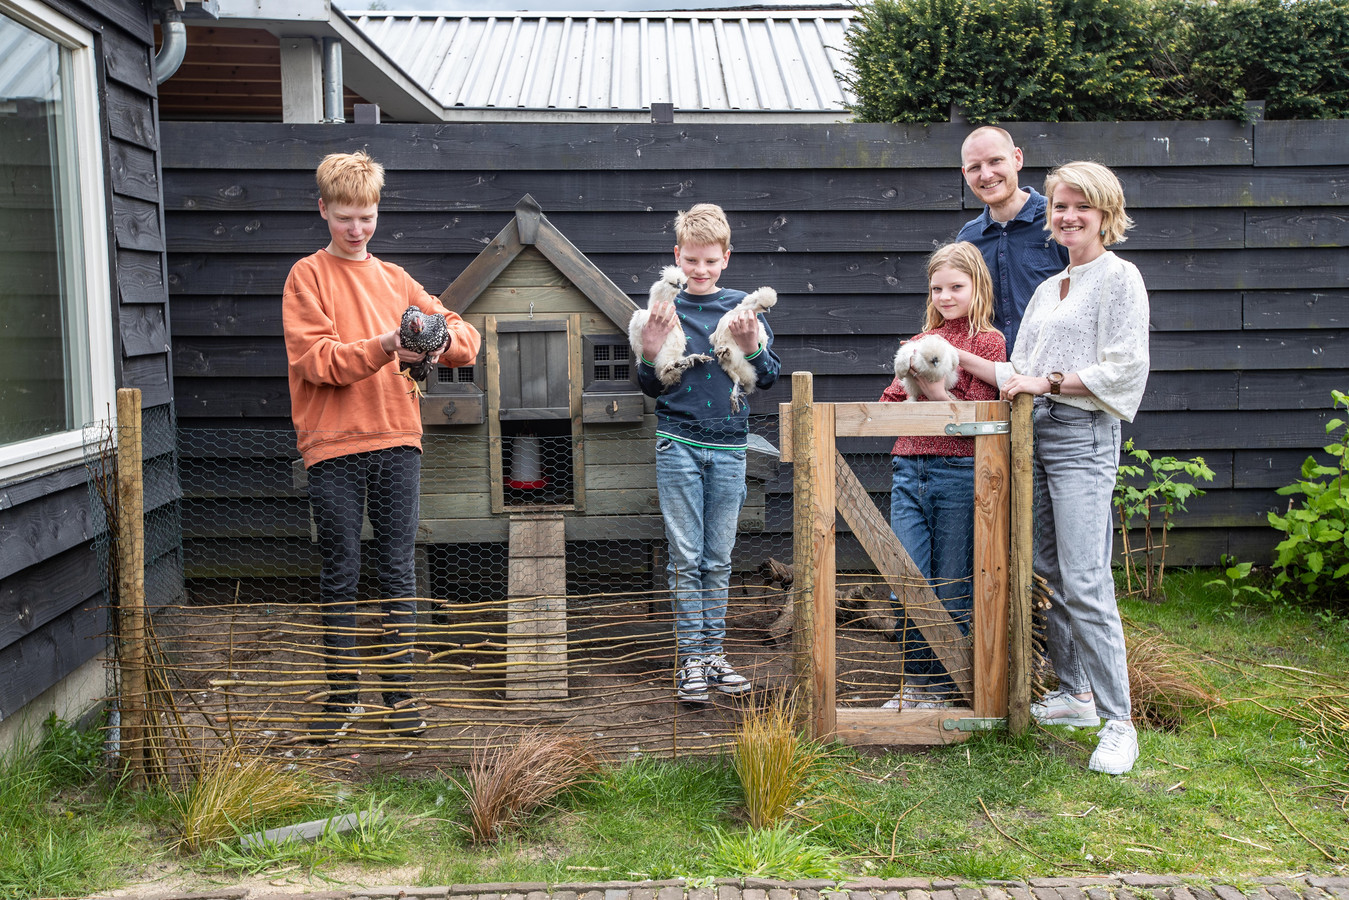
x=52 y=600
x=1242 y=242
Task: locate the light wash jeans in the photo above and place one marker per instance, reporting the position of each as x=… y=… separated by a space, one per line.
x=1076 y=463
x=932 y=514
x=701 y=492
x=383 y=483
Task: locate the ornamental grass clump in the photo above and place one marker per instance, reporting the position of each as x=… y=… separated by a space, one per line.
x=234 y=790
x=777 y=768
x=1165 y=684
x=505 y=783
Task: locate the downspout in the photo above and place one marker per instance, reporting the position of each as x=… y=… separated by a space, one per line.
x=174 y=47
x=333 y=109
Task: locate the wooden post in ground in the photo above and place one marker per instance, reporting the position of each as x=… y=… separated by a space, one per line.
x=802 y=455
x=1020 y=565
x=129 y=541
x=990 y=587
x=536 y=613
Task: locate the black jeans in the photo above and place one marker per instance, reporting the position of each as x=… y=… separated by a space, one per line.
x=385 y=485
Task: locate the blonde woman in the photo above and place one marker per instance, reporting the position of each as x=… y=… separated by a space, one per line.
x=1083 y=353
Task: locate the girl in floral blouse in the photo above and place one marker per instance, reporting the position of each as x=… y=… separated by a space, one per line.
x=932 y=494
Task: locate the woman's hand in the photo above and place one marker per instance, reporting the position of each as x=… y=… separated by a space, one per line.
x=1025 y=384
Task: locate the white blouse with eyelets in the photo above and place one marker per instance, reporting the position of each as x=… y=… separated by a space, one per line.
x=1099 y=330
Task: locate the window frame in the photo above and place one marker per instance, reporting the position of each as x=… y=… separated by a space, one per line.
x=95 y=294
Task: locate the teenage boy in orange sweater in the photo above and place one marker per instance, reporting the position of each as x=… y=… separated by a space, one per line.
x=359 y=432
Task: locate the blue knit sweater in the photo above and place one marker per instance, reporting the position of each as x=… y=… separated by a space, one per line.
x=697 y=410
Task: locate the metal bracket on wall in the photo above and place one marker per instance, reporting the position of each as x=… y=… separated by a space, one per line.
x=974 y=724
x=979 y=429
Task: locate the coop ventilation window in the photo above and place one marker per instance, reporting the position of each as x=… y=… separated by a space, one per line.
x=461 y=375
x=609 y=364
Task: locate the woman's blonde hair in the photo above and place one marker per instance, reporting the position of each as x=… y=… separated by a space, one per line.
x=1102 y=190
x=965 y=258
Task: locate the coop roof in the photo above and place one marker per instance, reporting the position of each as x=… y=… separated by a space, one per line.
x=531 y=228
x=720 y=65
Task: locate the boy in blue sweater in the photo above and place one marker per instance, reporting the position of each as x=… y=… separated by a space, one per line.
x=700 y=449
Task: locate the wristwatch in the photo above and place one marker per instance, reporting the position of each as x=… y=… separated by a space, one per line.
x=1055 y=382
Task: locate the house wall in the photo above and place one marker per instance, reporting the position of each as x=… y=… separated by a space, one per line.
x=52 y=599
x=1241 y=238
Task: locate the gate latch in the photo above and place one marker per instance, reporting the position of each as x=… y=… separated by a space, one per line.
x=973 y=724
x=978 y=429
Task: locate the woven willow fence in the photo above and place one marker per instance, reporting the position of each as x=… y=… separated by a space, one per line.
x=554 y=612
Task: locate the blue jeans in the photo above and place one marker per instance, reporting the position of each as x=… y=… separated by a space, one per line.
x=384 y=484
x=932 y=514
x=701 y=492
x=1076 y=464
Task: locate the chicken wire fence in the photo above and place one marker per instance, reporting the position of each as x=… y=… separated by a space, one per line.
x=504 y=582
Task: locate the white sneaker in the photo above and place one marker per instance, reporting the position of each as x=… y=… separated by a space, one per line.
x=1062 y=708
x=1118 y=748
x=691 y=681
x=916 y=698
x=722 y=676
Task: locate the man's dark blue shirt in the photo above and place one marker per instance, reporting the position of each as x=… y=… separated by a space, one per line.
x=1019 y=257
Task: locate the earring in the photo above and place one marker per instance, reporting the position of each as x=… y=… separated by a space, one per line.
x=1102 y=234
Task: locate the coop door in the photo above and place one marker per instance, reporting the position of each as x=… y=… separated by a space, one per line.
x=534 y=370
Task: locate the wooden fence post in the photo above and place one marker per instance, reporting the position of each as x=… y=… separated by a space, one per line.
x=129 y=541
x=804 y=476
x=1022 y=537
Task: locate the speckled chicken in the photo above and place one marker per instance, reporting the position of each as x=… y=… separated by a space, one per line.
x=421 y=332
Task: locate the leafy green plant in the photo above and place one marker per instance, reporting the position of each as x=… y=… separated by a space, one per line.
x=1234 y=581
x=1313 y=556
x=772 y=853
x=1153 y=488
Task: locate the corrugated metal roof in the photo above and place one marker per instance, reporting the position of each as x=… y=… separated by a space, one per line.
x=710 y=61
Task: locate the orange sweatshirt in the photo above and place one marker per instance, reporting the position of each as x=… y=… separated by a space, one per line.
x=346 y=394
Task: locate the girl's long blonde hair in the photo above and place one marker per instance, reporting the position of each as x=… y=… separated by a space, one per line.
x=965 y=258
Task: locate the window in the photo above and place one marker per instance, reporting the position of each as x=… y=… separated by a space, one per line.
x=608 y=364
x=56 y=344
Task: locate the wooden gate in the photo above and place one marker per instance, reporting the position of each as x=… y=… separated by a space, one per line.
x=991 y=665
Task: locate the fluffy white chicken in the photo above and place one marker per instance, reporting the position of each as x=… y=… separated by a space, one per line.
x=728 y=352
x=671 y=362
x=932 y=358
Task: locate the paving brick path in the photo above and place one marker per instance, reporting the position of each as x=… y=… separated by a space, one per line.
x=1123 y=887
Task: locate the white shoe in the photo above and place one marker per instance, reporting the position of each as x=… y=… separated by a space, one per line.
x=916 y=698
x=1118 y=748
x=1062 y=708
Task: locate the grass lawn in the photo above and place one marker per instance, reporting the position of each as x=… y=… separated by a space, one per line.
x=1245 y=789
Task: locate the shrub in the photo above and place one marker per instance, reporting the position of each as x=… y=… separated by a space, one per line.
x=1314 y=554
x=1097 y=60
x=1290 y=55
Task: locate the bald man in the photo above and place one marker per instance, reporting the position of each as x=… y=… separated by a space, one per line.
x=1011 y=231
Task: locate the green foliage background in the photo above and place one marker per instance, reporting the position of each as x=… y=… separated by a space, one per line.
x=1098 y=60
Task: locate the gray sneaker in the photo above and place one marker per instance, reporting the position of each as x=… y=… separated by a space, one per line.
x=721 y=676
x=1062 y=708
x=691 y=681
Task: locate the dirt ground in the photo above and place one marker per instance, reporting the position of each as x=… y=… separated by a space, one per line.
x=248 y=669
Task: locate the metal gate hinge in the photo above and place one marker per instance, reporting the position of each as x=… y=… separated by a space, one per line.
x=979 y=429
x=973 y=724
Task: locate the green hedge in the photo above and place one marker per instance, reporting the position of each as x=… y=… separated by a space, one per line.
x=1098 y=60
